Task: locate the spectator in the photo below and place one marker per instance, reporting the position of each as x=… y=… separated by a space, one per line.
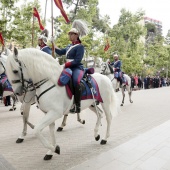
x=136 y=81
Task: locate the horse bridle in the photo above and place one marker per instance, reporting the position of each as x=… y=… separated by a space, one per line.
x=30 y=86
x=111 y=71
x=103 y=71
x=22 y=81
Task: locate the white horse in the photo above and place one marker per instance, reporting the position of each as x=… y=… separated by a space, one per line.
x=26 y=99
x=107 y=70
x=37 y=66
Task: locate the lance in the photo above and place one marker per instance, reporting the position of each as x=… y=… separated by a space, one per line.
x=45 y=12
x=52 y=27
x=33 y=30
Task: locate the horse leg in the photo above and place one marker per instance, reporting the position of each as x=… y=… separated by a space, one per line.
x=62 y=124
x=108 y=114
x=21 y=109
x=14 y=101
x=48 y=119
x=130 y=94
x=98 y=123
x=26 y=110
x=123 y=94
x=49 y=154
x=117 y=86
x=79 y=119
x=110 y=108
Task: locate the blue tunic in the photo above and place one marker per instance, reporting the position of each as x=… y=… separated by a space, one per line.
x=47 y=50
x=75 y=53
x=117 y=65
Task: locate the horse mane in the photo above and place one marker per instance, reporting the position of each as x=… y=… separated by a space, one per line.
x=39 y=64
x=111 y=69
x=3 y=59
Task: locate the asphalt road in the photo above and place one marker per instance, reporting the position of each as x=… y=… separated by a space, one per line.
x=150 y=109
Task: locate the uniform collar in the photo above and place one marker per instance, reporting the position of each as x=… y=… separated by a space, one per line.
x=76 y=42
x=42 y=46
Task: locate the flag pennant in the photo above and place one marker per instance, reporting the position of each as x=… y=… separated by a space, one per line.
x=60 y=6
x=107 y=46
x=1 y=39
x=36 y=14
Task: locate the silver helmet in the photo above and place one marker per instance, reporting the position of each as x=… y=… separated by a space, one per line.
x=44 y=36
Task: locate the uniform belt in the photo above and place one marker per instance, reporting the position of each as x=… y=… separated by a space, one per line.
x=69 y=60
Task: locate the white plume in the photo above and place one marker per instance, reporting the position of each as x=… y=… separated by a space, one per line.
x=81 y=26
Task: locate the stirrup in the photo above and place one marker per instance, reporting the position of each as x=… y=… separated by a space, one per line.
x=75 y=109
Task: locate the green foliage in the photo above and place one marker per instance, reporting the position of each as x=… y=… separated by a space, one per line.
x=125 y=38
x=137 y=55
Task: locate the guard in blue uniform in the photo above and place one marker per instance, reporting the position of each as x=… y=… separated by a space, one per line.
x=42 y=42
x=117 y=69
x=74 y=53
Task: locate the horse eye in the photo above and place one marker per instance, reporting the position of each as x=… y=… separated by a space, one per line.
x=15 y=71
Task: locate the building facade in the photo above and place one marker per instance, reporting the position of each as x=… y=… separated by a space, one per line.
x=157 y=23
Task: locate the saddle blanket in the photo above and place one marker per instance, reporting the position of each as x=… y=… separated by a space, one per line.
x=5 y=83
x=87 y=94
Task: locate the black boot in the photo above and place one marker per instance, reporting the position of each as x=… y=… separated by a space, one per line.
x=77 y=99
x=120 y=80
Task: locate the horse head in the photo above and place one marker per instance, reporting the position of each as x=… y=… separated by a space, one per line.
x=105 y=68
x=3 y=59
x=16 y=73
x=26 y=66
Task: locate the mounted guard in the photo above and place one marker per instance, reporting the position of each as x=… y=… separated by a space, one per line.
x=42 y=42
x=74 y=53
x=118 y=74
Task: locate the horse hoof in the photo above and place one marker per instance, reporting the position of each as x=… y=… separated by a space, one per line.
x=47 y=157
x=57 y=150
x=97 y=138
x=131 y=101
x=10 y=109
x=121 y=105
x=19 y=140
x=83 y=122
x=59 y=129
x=103 y=142
x=15 y=108
x=21 y=113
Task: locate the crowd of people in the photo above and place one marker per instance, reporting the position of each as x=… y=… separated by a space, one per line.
x=149 y=82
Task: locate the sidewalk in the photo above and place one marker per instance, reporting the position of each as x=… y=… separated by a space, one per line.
x=148 y=151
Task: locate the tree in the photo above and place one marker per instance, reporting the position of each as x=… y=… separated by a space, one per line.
x=16 y=23
x=22 y=25
x=7 y=10
x=125 y=39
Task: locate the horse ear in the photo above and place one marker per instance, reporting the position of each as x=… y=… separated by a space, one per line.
x=8 y=51
x=15 y=53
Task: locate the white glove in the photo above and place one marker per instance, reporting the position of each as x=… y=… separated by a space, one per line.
x=52 y=39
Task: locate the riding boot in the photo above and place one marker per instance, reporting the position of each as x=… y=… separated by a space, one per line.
x=120 y=80
x=77 y=99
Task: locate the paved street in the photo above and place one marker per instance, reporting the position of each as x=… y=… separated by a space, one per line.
x=149 y=110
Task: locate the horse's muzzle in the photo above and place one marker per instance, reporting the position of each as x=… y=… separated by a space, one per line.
x=19 y=91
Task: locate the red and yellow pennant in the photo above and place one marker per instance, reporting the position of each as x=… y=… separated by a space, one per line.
x=60 y=6
x=2 y=39
x=36 y=14
x=107 y=46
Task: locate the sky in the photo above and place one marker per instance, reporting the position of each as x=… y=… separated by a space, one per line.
x=158 y=10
